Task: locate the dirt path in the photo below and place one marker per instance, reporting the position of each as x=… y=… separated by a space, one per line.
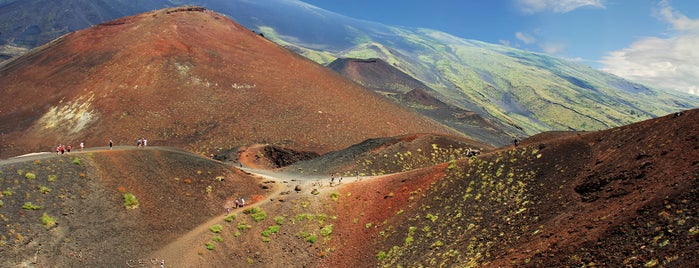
x=180 y=250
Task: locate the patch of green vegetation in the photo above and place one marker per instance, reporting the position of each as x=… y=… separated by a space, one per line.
x=256 y=213
x=243 y=226
x=130 y=201
x=44 y=189
x=7 y=192
x=76 y=161
x=52 y=178
x=209 y=246
x=30 y=206
x=217 y=238
x=279 y=220
x=335 y=196
x=30 y=176
x=48 y=221
x=381 y=255
x=326 y=230
x=230 y=217
x=312 y=239
x=216 y=228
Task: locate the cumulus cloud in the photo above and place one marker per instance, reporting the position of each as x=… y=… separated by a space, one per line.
x=557 y=6
x=669 y=63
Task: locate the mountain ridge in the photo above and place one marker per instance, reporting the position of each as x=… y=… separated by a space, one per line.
x=145 y=75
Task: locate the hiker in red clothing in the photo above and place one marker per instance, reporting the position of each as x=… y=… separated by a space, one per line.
x=68 y=148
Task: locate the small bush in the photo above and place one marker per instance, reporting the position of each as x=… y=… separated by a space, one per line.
x=274 y=229
x=44 y=189
x=209 y=189
x=217 y=238
x=30 y=176
x=130 y=201
x=76 y=161
x=243 y=226
x=326 y=230
x=52 y=178
x=252 y=210
x=1 y=203
x=279 y=220
x=256 y=214
x=48 y=221
x=266 y=233
x=381 y=255
x=209 y=246
x=230 y=217
x=30 y=206
x=311 y=239
x=216 y=228
x=335 y=196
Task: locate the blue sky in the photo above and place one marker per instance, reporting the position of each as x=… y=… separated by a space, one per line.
x=655 y=42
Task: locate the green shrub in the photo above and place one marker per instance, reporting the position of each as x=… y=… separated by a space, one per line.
x=381 y=255
x=30 y=206
x=7 y=192
x=266 y=233
x=311 y=239
x=130 y=201
x=44 y=189
x=230 y=217
x=52 y=178
x=1 y=203
x=326 y=230
x=216 y=228
x=217 y=238
x=243 y=226
x=252 y=210
x=209 y=246
x=274 y=229
x=76 y=161
x=30 y=176
x=48 y=221
x=335 y=196
x=279 y=220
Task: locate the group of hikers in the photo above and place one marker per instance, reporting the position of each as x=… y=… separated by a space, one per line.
x=65 y=149
x=238 y=203
x=139 y=142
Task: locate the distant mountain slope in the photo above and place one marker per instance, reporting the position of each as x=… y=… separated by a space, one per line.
x=377 y=75
x=185 y=77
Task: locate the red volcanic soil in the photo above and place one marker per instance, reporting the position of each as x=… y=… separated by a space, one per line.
x=621 y=197
x=185 y=77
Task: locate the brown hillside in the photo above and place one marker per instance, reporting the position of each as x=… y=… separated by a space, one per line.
x=185 y=77
x=622 y=197
x=84 y=194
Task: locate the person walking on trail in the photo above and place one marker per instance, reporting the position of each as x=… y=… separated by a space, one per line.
x=236 y=203
x=68 y=148
x=145 y=142
x=82 y=145
x=242 y=202
x=110 y=144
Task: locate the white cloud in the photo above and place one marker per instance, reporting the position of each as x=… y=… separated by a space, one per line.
x=557 y=6
x=670 y=63
x=527 y=39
